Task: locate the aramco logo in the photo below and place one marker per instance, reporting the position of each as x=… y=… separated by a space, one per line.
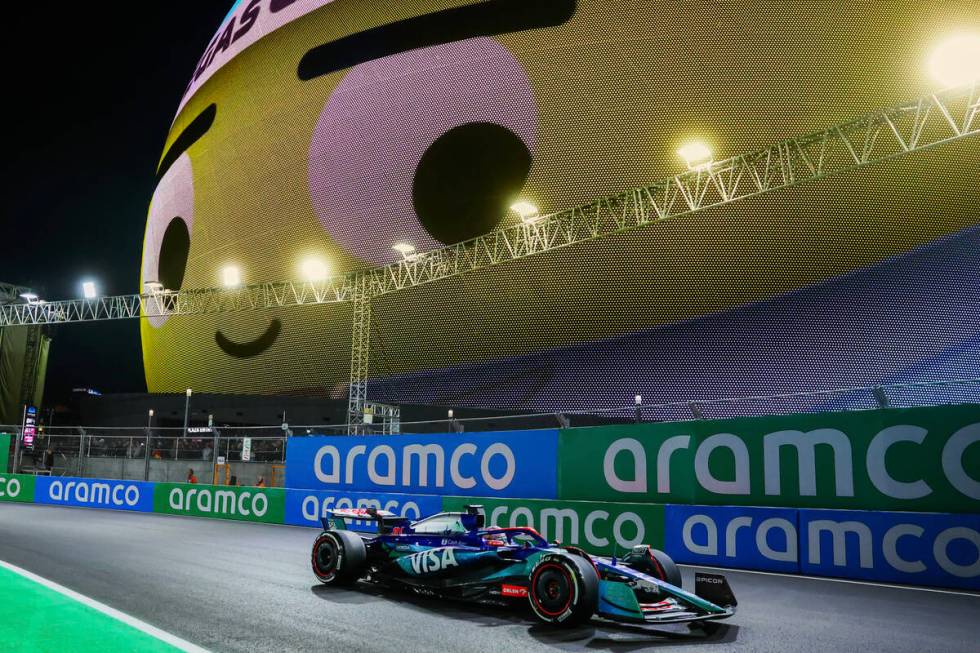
x=218 y=502
x=94 y=493
x=9 y=488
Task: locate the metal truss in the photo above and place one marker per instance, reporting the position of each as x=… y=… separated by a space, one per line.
x=360 y=356
x=10 y=294
x=911 y=127
x=186 y=302
x=887 y=134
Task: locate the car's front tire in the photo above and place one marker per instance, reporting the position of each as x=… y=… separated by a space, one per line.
x=338 y=557
x=653 y=562
x=563 y=590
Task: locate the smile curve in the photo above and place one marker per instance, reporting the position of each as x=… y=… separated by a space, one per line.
x=252 y=348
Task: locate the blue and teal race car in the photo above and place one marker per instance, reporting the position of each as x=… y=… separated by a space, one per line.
x=454 y=555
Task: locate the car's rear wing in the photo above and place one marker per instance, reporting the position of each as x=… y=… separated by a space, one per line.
x=337 y=519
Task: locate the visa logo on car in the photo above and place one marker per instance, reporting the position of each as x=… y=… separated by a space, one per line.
x=433 y=560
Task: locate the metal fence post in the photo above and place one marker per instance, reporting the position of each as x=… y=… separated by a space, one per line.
x=81 y=452
x=146 y=449
x=695 y=410
x=881 y=397
x=214 y=457
x=17 y=437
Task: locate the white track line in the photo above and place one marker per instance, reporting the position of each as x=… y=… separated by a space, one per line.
x=836 y=580
x=142 y=626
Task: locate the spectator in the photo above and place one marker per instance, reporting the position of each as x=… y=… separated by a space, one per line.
x=260 y=482
x=190 y=476
x=47 y=460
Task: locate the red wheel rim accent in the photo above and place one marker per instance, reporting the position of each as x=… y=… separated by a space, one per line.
x=656 y=563
x=533 y=589
x=316 y=558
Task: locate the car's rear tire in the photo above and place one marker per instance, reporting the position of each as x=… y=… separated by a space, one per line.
x=654 y=562
x=563 y=590
x=338 y=557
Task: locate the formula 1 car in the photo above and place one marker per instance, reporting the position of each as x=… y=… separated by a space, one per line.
x=454 y=555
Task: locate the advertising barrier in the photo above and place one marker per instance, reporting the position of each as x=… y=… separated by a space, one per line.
x=603 y=528
x=17 y=487
x=94 y=493
x=306 y=507
x=4 y=452
x=501 y=464
x=729 y=536
x=913 y=548
x=918 y=459
x=220 y=502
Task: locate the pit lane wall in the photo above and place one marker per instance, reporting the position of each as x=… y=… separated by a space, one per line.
x=890 y=495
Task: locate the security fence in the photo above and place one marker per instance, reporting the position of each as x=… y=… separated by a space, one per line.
x=246 y=454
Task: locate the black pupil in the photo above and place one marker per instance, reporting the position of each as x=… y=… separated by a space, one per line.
x=467 y=179
x=174 y=249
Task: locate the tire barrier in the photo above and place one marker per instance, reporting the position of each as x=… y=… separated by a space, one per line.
x=882 y=495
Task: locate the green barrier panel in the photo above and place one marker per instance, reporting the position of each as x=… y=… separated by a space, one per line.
x=921 y=459
x=602 y=528
x=265 y=505
x=4 y=452
x=17 y=487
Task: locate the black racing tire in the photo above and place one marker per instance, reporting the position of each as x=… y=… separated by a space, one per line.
x=656 y=563
x=338 y=557
x=563 y=590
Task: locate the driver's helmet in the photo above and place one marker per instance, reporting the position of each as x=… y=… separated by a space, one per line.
x=495 y=539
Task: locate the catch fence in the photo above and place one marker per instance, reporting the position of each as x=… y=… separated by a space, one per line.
x=249 y=454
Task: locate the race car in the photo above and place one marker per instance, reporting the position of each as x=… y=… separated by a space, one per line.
x=454 y=555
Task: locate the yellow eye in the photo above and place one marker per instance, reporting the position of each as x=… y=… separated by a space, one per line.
x=428 y=154
x=167 y=243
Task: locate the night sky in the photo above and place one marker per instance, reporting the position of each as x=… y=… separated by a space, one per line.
x=91 y=89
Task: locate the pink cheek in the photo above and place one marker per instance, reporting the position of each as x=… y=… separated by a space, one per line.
x=426 y=146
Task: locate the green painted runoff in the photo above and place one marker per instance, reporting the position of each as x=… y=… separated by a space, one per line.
x=34 y=618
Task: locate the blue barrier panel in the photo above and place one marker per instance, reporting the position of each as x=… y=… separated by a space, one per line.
x=733 y=536
x=495 y=464
x=900 y=547
x=305 y=507
x=135 y=496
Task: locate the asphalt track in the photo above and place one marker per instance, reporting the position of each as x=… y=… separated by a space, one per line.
x=232 y=586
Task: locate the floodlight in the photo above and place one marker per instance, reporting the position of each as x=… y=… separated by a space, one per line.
x=153 y=287
x=407 y=250
x=528 y=212
x=189 y=392
x=314 y=269
x=231 y=276
x=638 y=399
x=696 y=155
x=88 y=290
x=956 y=61
x=29 y=297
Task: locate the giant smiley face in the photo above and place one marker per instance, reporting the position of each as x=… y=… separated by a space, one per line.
x=335 y=129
